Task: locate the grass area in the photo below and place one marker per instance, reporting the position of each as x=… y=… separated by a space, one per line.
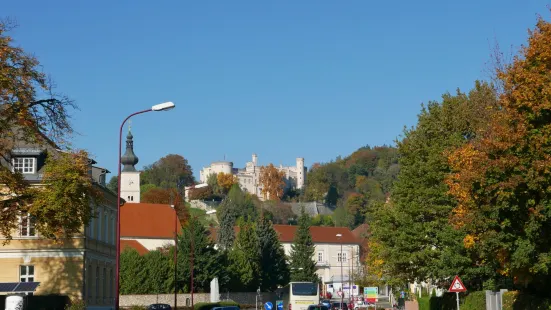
x=202 y=216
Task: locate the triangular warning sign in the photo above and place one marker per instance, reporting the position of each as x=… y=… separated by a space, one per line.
x=457 y=285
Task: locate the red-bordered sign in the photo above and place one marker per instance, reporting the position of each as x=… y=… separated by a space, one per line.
x=457 y=286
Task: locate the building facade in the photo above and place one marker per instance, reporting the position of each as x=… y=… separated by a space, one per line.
x=81 y=267
x=249 y=177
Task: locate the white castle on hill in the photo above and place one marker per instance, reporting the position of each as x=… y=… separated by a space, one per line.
x=249 y=177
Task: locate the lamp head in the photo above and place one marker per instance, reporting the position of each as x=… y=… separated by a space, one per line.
x=339 y=235
x=163 y=106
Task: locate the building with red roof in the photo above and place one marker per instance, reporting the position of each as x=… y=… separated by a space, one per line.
x=148 y=226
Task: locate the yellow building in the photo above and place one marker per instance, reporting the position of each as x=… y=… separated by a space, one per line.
x=82 y=267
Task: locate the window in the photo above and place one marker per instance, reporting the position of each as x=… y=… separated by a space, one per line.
x=111 y=283
x=104 y=287
x=26 y=226
x=112 y=236
x=23 y=164
x=89 y=282
x=99 y=225
x=320 y=257
x=26 y=273
x=97 y=282
x=106 y=224
x=341 y=257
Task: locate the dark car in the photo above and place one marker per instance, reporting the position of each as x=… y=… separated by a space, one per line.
x=326 y=302
x=317 y=307
x=159 y=307
x=338 y=306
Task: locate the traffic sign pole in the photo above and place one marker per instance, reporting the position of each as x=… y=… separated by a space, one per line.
x=457 y=294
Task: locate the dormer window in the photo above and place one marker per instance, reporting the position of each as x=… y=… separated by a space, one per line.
x=24 y=165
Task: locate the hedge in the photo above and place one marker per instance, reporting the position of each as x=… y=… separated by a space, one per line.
x=518 y=301
x=210 y=305
x=474 y=301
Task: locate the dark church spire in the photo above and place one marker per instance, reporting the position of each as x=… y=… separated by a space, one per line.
x=129 y=159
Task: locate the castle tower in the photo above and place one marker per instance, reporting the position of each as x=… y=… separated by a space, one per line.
x=301 y=173
x=255 y=160
x=130 y=177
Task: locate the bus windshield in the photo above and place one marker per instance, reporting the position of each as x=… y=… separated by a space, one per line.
x=304 y=289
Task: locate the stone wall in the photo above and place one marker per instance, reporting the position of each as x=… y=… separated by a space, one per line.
x=185 y=299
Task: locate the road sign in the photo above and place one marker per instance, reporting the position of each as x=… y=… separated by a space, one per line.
x=457 y=286
x=279 y=304
x=268 y=306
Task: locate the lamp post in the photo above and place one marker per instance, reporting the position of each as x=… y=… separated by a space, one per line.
x=339 y=236
x=175 y=257
x=158 y=107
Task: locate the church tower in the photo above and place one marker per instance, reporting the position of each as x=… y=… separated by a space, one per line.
x=130 y=177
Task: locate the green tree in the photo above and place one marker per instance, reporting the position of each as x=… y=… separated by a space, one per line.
x=208 y=263
x=416 y=240
x=236 y=205
x=322 y=220
x=273 y=261
x=168 y=172
x=245 y=268
x=159 y=272
x=302 y=264
x=113 y=184
x=133 y=275
x=226 y=235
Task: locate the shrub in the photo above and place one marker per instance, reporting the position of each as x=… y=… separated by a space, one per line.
x=76 y=305
x=519 y=301
x=474 y=301
x=424 y=303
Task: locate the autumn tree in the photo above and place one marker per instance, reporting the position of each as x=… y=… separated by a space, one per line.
x=32 y=112
x=225 y=181
x=272 y=181
x=502 y=180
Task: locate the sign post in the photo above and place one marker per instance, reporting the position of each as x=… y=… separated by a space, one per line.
x=457 y=287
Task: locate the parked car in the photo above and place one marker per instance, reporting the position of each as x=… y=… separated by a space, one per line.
x=159 y=307
x=317 y=307
x=326 y=302
x=338 y=306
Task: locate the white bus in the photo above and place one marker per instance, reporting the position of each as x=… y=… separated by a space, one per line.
x=299 y=295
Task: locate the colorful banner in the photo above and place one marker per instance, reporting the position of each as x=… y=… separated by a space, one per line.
x=371 y=294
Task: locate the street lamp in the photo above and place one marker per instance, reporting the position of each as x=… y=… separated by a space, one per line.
x=158 y=107
x=175 y=257
x=339 y=236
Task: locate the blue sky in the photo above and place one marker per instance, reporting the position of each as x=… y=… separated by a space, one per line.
x=283 y=79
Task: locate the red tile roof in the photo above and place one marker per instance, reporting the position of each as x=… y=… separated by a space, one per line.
x=319 y=234
x=133 y=244
x=361 y=231
x=147 y=220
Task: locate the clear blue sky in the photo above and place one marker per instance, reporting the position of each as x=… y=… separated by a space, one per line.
x=284 y=79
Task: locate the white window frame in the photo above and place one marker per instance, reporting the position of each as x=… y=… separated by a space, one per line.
x=27 y=277
x=320 y=256
x=30 y=226
x=23 y=166
x=106 y=225
x=100 y=215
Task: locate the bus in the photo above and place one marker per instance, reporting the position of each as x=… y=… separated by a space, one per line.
x=299 y=295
